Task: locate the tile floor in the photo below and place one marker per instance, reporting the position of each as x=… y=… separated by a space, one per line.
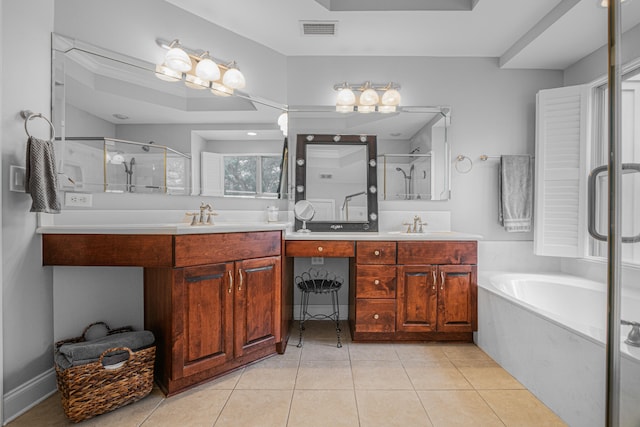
x=358 y=385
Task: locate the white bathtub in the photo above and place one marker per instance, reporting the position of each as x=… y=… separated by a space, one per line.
x=548 y=331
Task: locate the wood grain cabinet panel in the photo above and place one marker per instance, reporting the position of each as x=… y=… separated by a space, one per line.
x=375 y=315
x=320 y=248
x=376 y=281
x=376 y=252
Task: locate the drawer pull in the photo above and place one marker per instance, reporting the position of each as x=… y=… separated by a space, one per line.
x=241 y=280
x=376 y=253
x=376 y=282
x=320 y=249
x=442 y=280
x=435 y=278
x=376 y=316
x=230 y=281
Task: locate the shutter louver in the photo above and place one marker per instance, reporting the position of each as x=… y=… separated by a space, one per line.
x=561 y=138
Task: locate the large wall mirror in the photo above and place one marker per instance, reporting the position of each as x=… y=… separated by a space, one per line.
x=413 y=146
x=337 y=175
x=122 y=129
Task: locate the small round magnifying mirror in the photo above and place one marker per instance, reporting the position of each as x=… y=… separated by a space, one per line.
x=304 y=211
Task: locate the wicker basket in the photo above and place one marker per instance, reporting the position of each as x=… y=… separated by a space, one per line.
x=93 y=389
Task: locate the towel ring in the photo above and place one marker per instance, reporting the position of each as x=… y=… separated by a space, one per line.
x=30 y=116
x=461 y=158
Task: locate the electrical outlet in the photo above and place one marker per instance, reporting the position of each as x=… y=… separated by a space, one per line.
x=84 y=200
x=317 y=260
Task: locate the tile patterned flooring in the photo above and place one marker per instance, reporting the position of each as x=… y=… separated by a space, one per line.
x=358 y=385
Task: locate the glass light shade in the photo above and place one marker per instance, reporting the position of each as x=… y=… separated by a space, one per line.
x=366 y=108
x=220 y=90
x=178 y=60
x=283 y=120
x=345 y=97
x=387 y=109
x=234 y=79
x=167 y=74
x=391 y=97
x=194 y=82
x=345 y=108
x=369 y=97
x=207 y=70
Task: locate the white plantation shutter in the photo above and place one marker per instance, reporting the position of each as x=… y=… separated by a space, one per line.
x=561 y=146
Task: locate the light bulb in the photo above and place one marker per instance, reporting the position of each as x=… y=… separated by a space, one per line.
x=369 y=97
x=283 y=120
x=345 y=97
x=207 y=70
x=366 y=108
x=178 y=60
x=391 y=97
x=234 y=79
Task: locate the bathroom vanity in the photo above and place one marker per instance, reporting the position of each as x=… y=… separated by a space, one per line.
x=219 y=297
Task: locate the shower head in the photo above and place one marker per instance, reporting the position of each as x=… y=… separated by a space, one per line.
x=146 y=147
x=403 y=172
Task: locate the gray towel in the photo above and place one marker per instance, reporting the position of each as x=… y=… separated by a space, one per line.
x=41 y=178
x=515 y=192
x=84 y=352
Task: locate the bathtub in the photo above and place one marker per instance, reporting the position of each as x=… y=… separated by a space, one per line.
x=548 y=331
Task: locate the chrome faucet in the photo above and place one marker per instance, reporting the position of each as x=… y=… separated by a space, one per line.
x=205 y=207
x=634 y=334
x=417 y=225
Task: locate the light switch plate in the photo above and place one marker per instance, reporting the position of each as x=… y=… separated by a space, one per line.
x=16 y=178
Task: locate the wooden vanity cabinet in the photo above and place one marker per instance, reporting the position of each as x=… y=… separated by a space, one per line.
x=414 y=290
x=215 y=317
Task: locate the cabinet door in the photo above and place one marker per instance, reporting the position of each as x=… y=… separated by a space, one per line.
x=457 y=298
x=417 y=298
x=208 y=317
x=257 y=297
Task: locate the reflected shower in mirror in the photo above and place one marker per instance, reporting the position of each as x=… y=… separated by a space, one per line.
x=99 y=94
x=337 y=175
x=411 y=142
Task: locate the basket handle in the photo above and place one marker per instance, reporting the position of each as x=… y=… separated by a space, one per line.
x=84 y=333
x=113 y=350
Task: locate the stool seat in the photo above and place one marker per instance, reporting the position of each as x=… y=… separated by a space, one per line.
x=318 y=282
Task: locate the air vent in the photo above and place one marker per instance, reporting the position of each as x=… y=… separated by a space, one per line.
x=319 y=28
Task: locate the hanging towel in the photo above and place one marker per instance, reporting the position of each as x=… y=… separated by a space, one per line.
x=41 y=179
x=515 y=193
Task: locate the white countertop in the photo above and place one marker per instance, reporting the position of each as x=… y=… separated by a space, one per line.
x=178 y=228
x=388 y=235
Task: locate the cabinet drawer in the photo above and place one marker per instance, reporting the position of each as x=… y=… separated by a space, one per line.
x=375 y=281
x=320 y=248
x=200 y=249
x=376 y=252
x=375 y=315
x=438 y=252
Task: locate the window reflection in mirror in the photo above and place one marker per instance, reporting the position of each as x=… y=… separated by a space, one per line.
x=98 y=93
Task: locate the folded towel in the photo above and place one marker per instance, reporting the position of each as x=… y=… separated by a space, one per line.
x=84 y=352
x=41 y=178
x=515 y=193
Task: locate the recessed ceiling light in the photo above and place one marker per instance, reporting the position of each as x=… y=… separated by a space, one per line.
x=251 y=133
x=395 y=134
x=120 y=116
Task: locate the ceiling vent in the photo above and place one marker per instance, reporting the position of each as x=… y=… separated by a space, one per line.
x=319 y=28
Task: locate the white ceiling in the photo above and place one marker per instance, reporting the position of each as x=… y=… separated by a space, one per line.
x=547 y=34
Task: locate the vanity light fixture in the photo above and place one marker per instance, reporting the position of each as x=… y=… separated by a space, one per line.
x=199 y=69
x=369 y=100
x=283 y=122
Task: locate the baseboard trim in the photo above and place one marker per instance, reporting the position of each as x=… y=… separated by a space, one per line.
x=26 y=396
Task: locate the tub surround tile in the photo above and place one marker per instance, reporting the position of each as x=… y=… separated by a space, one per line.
x=458 y=408
x=391 y=408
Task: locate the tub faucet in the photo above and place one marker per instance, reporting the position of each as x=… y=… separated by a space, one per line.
x=634 y=334
x=205 y=207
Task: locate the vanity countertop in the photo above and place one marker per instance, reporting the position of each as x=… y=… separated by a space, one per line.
x=380 y=236
x=178 y=228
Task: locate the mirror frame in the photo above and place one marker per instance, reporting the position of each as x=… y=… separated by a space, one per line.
x=370 y=141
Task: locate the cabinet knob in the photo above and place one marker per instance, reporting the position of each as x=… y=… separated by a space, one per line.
x=376 y=252
x=376 y=282
x=320 y=248
x=376 y=316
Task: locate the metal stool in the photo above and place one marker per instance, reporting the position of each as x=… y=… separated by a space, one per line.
x=319 y=282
